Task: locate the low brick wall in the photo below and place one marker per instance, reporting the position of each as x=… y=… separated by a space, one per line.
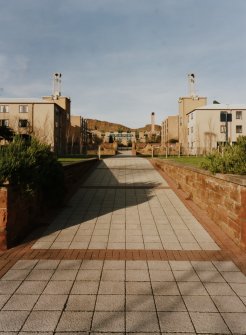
x=19 y=214
x=77 y=171
x=222 y=196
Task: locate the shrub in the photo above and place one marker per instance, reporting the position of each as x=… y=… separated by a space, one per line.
x=232 y=160
x=33 y=167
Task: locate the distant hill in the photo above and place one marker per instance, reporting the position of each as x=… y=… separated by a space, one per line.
x=148 y=128
x=110 y=126
x=105 y=126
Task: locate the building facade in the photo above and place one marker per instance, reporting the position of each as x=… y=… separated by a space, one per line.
x=170 y=130
x=47 y=119
x=214 y=125
x=186 y=105
x=78 y=135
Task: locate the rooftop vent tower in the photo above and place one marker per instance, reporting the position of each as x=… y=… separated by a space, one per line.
x=152 y=122
x=191 y=80
x=57 y=85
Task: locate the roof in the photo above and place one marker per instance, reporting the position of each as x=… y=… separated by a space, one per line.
x=222 y=107
x=24 y=100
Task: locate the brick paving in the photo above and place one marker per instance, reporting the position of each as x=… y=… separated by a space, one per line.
x=128 y=255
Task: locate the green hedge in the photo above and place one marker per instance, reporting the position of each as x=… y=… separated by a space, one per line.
x=231 y=160
x=33 y=167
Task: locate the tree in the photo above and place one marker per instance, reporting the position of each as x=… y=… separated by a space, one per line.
x=111 y=139
x=6 y=133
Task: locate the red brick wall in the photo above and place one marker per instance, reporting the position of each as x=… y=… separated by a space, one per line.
x=19 y=213
x=222 y=196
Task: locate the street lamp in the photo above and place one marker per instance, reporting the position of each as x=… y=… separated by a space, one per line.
x=226 y=117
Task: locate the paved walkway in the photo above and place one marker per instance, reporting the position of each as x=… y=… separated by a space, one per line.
x=126 y=256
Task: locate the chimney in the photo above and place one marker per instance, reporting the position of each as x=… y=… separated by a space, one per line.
x=191 y=80
x=56 y=85
x=152 y=122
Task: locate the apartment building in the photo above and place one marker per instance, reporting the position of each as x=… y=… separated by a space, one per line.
x=48 y=119
x=213 y=125
x=170 y=130
x=77 y=135
x=186 y=105
x=123 y=138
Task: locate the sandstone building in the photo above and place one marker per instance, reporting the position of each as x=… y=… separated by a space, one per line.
x=214 y=125
x=48 y=119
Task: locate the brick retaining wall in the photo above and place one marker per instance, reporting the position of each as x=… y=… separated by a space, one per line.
x=20 y=214
x=222 y=196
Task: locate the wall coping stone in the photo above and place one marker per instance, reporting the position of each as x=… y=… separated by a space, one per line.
x=232 y=178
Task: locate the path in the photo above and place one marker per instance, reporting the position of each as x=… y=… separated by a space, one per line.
x=126 y=256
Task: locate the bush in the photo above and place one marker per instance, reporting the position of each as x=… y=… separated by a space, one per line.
x=232 y=160
x=33 y=167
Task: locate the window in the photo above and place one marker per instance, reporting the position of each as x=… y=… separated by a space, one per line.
x=23 y=109
x=239 y=129
x=4 y=123
x=191 y=116
x=188 y=131
x=4 y=109
x=239 y=115
x=23 y=123
x=223 y=129
x=191 y=130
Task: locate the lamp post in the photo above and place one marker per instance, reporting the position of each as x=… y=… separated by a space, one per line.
x=226 y=117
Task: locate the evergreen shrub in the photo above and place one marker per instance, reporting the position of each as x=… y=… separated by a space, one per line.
x=34 y=168
x=232 y=160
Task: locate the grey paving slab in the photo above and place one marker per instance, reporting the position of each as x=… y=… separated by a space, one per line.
x=8 y=287
x=31 y=287
x=16 y=275
x=50 y=302
x=172 y=303
x=192 y=288
x=72 y=321
x=229 y=304
x=165 y=288
x=141 y=321
x=85 y=287
x=41 y=321
x=140 y=303
x=209 y=323
x=3 y=299
x=113 y=275
x=236 y=322
x=44 y=264
x=199 y=304
x=108 y=321
x=111 y=288
x=240 y=289
x=220 y=289
x=81 y=302
x=24 y=264
x=175 y=322
x=110 y=303
x=12 y=320
x=58 y=287
x=21 y=302
x=138 y=288
x=38 y=274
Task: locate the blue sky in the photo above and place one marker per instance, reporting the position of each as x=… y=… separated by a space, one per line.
x=121 y=60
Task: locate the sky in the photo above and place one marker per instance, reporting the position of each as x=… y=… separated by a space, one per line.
x=121 y=60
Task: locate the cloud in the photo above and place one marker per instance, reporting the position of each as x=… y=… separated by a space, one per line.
x=123 y=59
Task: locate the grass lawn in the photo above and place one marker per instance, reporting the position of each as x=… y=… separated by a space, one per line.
x=71 y=160
x=187 y=160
